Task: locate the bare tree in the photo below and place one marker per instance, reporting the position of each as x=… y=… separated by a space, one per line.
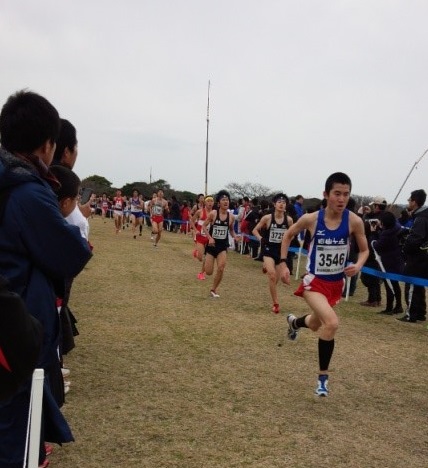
x=248 y=189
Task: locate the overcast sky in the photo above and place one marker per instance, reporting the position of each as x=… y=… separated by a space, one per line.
x=299 y=89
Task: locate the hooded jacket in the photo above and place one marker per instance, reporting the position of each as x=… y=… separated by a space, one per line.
x=38 y=251
x=38 y=248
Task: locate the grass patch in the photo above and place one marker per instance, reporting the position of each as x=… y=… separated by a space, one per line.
x=165 y=376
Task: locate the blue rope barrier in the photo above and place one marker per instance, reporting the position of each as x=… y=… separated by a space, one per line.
x=370 y=271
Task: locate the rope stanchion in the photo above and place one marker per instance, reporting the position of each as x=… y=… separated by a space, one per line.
x=379 y=261
x=299 y=256
x=347 y=287
x=34 y=420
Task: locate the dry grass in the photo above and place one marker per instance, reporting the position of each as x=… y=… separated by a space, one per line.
x=164 y=376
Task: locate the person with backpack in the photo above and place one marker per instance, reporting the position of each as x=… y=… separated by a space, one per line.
x=20 y=341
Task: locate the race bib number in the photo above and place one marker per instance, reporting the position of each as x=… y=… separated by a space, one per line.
x=135 y=206
x=199 y=228
x=330 y=260
x=276 y=235
x=157 y=210
x=220 y=232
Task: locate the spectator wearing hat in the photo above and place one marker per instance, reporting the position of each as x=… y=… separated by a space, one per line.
x=378 y=206
x=371 y=217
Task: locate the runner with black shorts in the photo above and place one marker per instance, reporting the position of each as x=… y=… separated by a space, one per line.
x=220 y=224
x=270 y=231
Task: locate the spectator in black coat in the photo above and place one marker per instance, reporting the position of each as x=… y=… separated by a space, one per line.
x=253 y=217
x=353 y=253
x=371 y=282
x=416 y=257
x=388 y=247
x=175 y=214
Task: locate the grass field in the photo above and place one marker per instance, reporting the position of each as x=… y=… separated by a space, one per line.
x=165 y=376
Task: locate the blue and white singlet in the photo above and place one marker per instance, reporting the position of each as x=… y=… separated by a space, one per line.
x=329 y=249
x=136 y=205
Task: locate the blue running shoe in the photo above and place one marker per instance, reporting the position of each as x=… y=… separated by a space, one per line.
x=322 y=389
x=292 y=332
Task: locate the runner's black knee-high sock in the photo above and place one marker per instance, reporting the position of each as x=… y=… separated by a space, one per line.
x=325 y=351
x=300 y=322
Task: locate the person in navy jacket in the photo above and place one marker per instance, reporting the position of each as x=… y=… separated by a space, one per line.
x=38 y=250
x=389 y=249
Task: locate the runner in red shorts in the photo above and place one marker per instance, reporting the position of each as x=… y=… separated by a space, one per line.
x=157 y=207
x=201 y=239
x=322 y=286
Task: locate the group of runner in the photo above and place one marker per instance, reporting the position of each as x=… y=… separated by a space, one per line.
x=330 y=230
x=133 y=210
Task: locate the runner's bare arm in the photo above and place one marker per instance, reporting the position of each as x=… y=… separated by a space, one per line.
x=260 y=225
x=305 y=222
x=210 y=219
x=194 y=219
x=232 y=232
x=356 y=227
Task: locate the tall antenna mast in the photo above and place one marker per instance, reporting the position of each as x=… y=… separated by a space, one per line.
x=206 y=148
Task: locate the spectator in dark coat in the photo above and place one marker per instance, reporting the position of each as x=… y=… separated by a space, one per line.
x=388 y=247
x=371 y=282
x=38 y=251
x=175 y=213
x=252 y=218
x=353 y=253
x=415 y=249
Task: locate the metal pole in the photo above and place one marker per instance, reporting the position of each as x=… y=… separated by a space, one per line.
x=299 y=256
x=408 y=175
x=206 y=148
x=379 y=261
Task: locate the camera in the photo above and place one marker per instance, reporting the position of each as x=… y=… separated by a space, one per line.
x=85 y=195
x=373 y=222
